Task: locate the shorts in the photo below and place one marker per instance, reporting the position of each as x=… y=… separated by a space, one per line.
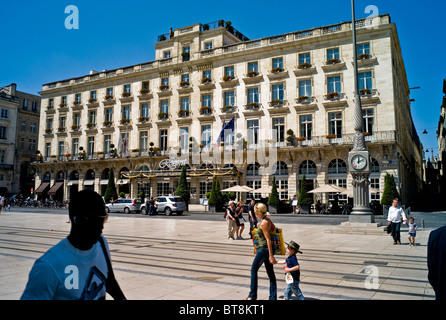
x=413 y=233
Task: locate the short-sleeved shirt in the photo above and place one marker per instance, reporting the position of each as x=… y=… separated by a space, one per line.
x=291 y=262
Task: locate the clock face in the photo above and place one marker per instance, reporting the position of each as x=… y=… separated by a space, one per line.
x=359 y=162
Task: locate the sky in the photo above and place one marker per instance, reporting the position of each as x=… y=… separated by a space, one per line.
x=37 y=47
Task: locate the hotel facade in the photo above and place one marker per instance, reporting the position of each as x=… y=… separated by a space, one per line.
x=286 y=102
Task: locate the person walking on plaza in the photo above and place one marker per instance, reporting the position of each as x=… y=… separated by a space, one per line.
x=412 y=231
x=252 y=217
x=394 y=221
x=78 y=267
x=292 y=270
x=239 y=220
x=264 y=255
x=230 y=219
x=436 y=262
x=151 y=203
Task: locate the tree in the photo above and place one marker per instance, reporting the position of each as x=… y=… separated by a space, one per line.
x=110 y=191
x=304 y=198
x=274 y=199
x=215 y=198
x=182 y=189
x=390 y=192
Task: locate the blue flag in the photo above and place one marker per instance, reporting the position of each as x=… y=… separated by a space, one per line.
x=227 y=126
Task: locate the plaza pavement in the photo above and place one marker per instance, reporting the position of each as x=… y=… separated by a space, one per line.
x=167 y=258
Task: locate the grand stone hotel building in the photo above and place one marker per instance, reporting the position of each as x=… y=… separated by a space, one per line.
x=204 y=75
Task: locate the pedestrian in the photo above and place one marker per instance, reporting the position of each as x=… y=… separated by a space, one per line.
x=78 y=267
x=292 y=271
x=252 y=217
x=264 y=255
x=239 y=220
x=412 y=231
x=436 y=262
x=151 y=207
x=2 y=202
x=394 y=221
x=294 y=203
x=230 y=219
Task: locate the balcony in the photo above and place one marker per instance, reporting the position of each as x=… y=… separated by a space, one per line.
x=334 y=99
x=277 y=73
x=252 y=77
x=228 y=81
x=109 y=100
x=333 y=65
x=304 y=69
x=278 y=107
x=368 y=96
x=305 y=103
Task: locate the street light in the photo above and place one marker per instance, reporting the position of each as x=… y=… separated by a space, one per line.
x=359 y=157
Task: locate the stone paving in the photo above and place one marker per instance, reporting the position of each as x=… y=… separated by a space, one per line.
x=157 y=258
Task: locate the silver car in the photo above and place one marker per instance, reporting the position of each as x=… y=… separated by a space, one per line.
x=124 y=205
x=167 y=204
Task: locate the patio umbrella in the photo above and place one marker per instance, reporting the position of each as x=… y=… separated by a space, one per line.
x=238 y=188
x=349 y=192
x=327 y=188
x=265 y=189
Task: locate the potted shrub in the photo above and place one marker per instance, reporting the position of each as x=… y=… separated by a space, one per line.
x=205 y=110
x=300 y=139
x=228 y=108
x=363 y=56
x=252 y=105
x=252 y=73
x=364 y=91
x=126 y=94
x=162 y=115
x=304 y=199
x=330 y=136
x=184 y=84
x=108 y=97
x=164 y=87
x=143 y=119
x=205 y=80
x=227 y=78
x=302 y=99
x=90 y=125
x=273 y=200
x=276 y=102
x=92 y=100
x=106 y=123
x=183 y=113
x=143 y=91
x=333 y=61
x=276 y=70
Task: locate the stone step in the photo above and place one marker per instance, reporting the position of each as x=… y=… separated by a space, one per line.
x=358 y=228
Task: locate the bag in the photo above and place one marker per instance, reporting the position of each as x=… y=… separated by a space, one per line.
x=276 y=239
x=288 y=278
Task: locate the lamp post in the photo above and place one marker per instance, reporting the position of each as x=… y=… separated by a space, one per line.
x=359 y=157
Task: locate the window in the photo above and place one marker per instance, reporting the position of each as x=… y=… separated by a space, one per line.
x=33 y=127
x=78 y=98
x=145 y=110
x=184 y=139
x=374 y=166
x=304 y=58
x=93 y=95
x=75 y=147
x=2 y=159
x=47 y=150
x=334 y=84
x=185 y=78
x=229 y=98
x=126 y=112
x=306 y=126
x=76 y=119
x=22 y=143
x=229 y=71
x=363 y=48
x=368 y=119
x=23 y=126
x=90 y=146
x=333 y=53
x=145 y=86
x=143 y=138
x=162 y=189
x=279 y=130
x=206 y=100
x=163 y=139
x=340 y=182
x=278 y=63
x=365 y=80
x=208 y=45
x=34 y=106
x=49 y=123
x=207 y=74
x=166 y=54
x=307 y=167
x=253 y=95
x=61 y=149
x=282 y=185
x=185 y=106
x=165 y=82
x=25 y=104
x=109 y=114
x=253 y=67
x=335 y=124
x=127 y=88
x=62 y=122
x=337 y=166
x=186 y=55
x=206 y=135
x=4 y=114
x=277 y=92
x=253 y=132
x=109 y=92
x=205 y=187
x=254 y=184
x=51 y=102
x=107 y=143
x=280 y=168
x=92 y=117
x=164 y=108
x=305 y=88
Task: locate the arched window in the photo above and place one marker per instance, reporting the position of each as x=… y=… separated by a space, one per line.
x=253 y=169
x=143 y=168
x=74 y=175
x=280 y=168
x=89 y=175
x=105 y=174
x=374 y=166
x=307 y=167
x=337 y=166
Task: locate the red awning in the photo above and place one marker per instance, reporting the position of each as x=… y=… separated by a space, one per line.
x=42 y=188
x=54 y=188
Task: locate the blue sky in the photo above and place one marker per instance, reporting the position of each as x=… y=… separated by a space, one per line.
x=37 y=48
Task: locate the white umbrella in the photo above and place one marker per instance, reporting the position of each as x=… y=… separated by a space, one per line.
x=349 y=192
x=327 y=188
x=265 y=189
x=238 y=188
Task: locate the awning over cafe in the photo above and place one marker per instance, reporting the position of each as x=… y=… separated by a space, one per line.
x=54 y=188
x=41 y=189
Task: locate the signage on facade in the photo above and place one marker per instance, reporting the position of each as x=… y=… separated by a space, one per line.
x=172 y=164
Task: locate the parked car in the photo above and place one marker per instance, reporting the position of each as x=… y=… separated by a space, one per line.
x=166 y=204
x=124 y=205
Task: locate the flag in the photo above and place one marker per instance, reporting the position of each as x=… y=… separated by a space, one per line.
x=227 y=126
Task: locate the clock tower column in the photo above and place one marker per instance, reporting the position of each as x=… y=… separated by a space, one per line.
x=358 y=157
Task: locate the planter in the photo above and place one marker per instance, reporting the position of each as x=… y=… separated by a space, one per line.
x=272 y=209
x=304 y=209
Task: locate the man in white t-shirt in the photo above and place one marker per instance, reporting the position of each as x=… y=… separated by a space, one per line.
x=78 y=267
x=394 y=221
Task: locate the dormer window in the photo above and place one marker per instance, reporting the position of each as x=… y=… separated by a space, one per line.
x=166 y=54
